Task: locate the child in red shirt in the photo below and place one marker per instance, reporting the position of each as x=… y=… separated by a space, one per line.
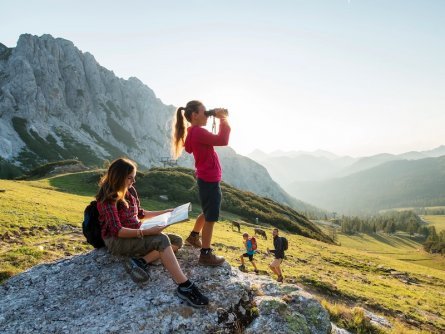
x=201 y=142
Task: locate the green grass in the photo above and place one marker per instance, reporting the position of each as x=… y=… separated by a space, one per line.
x=438 y=221
x=42 y=222
x=399 y=246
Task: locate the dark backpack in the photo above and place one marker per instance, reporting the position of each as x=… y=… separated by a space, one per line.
x=91 y=226
x=285 y=243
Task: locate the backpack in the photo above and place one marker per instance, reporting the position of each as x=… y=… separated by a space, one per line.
x=253 y=242
x=285 y=243
x=91 y=226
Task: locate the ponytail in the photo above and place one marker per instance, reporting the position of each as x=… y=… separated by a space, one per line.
x=179 y=124
x=178 y=135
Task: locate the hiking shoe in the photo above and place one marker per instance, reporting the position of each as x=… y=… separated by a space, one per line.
x=192 y=296
x=137 y=269
x=210 y=259
x=194 y=241
x=242 y=267
x=280 y=279
x=257 y=271
x=142 y=264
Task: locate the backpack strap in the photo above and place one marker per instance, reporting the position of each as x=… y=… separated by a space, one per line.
x=133 y=192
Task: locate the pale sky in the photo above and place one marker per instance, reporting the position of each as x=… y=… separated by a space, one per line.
x=355 y=77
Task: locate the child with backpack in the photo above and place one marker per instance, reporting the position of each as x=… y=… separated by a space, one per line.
x=120 y=213
x=280 y=244
x=251 y=246
x=198 y=141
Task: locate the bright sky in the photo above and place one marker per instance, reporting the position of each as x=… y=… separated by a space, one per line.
x=355 y=77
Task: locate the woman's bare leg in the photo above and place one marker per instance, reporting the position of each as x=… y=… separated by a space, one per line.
x=199 y=223
x=207 y=232
x=170 y=263
x=155 y=255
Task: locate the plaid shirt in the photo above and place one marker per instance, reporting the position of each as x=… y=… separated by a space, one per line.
x=113 y=217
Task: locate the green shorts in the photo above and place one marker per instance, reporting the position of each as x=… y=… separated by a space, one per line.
x=136 y=247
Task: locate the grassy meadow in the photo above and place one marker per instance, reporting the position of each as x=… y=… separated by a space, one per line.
x=438 y=221
x=390 y=276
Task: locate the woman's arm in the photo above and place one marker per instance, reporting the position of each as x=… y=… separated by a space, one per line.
x=221 y=139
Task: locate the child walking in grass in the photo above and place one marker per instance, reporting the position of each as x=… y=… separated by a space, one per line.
x=198 y=141
x=250 y=246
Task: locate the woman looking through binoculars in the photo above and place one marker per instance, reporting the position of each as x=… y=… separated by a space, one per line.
x=200 y=142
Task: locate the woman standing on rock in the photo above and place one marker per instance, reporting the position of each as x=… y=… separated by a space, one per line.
x=201 y=142
x=119 y=213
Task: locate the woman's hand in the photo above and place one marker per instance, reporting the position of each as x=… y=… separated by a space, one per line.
x=221 y=113
x=153 y=230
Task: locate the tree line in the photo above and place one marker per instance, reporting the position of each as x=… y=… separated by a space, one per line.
x=391 y=222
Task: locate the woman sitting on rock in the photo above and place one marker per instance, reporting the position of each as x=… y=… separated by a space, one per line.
x=119 y=213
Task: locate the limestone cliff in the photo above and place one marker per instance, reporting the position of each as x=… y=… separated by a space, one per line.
x=57 y=102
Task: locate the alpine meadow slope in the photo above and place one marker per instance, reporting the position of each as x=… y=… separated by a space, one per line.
x=355 y=286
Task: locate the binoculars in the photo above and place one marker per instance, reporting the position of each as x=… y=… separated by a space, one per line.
x=212 y=112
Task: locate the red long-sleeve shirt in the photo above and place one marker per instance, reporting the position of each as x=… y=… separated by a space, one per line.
x=113 y=217
x=200 y=142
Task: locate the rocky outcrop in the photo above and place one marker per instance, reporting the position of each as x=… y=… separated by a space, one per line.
x=54 y=97
x=91 y=293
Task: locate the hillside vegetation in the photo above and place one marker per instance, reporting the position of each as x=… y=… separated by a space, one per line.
x=41 y=222
x=179 y=185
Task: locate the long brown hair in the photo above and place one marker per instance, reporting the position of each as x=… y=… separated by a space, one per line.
x=113 y=183
x=179 y=125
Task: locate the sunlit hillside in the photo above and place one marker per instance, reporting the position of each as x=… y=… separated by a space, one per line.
x=40 y=222
x=438 y=221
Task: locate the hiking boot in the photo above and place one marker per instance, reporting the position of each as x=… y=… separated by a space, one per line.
x=242 y=267
x=194 y=241
x=210 y=259
x=257 y=271
x=137 y=269
x=280 y=279
x=192 y=296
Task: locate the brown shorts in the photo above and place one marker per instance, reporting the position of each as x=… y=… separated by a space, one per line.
x=140 y=247
x=276 y=263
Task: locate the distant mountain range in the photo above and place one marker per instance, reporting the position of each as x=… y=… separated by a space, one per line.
x=58 y=103
x=292 y=166
x=394 y=184
x=360 y=185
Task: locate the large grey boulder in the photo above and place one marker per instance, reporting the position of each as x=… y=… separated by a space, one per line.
x=91 y=293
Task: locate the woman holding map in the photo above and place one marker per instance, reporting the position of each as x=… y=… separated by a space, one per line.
x=200 y=142
x=119 y=214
